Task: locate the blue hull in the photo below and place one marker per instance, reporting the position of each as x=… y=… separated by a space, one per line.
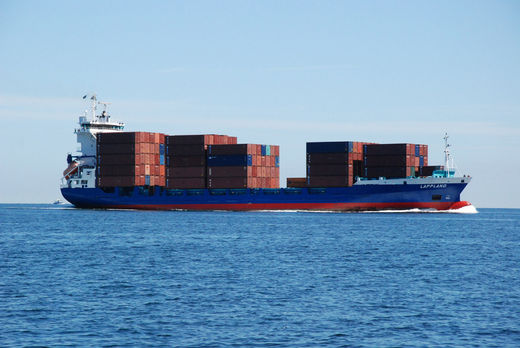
x=357 y=197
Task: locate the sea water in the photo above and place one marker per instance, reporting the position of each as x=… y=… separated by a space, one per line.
x=294 y=279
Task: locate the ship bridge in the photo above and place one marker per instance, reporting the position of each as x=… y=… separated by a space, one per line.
x=89 y=127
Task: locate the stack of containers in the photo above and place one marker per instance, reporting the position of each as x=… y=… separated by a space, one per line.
x=394 y=160
x=130 y=159
x=186 y=159
x=422 y=159
x=334 y=164
x=243 y=166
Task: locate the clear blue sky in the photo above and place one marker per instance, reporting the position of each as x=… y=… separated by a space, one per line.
x=275 y=72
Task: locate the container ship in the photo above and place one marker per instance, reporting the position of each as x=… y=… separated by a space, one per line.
x=115 y=169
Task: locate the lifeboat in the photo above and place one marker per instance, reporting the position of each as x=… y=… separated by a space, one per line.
x=71 y=170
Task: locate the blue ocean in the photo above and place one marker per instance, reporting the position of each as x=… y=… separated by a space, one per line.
x=72 y=277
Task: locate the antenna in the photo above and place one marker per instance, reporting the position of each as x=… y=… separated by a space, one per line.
x=93 y=101
x=446 y=154
x=105 y=105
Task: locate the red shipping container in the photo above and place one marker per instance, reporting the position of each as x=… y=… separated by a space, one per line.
x=186 y=172
x=231 y=149
x=185 y=183
x=120 y=181
x=296 y=182
x=186 y=150
x=231 y=171
x=120 y=170
x=235 y=182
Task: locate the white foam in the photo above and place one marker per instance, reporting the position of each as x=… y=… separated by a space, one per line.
x=468 y=209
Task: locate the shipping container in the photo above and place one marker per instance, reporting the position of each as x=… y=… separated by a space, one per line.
x=120 y=170
x=120 y=159
x=185 y=183
x=122 y=137
x=236 y=149
x=328 y=158
x=329 y=170
x=296 y=182
x=186 y=172
x=185 y=150
x=388 y=149
x=238 y=171
x=185 y=161
x=428 y=170
x=330 y=147
x=121 y=181
x=233 y=182
x=200 y=139
x=121 y=148
x=229 y=160
x=387 y=161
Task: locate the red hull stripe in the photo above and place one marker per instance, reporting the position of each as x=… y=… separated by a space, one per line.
x=291 y=206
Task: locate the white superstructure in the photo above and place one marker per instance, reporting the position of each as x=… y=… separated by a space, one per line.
x=82 y=167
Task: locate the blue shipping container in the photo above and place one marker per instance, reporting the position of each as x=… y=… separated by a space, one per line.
x=277 y=161
x=161 y=159
x=417 y=150
x=147 y=179
x=229 y=160
x=263 y=150
x=161 y=149
x=421 y=161
x=330 y=147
